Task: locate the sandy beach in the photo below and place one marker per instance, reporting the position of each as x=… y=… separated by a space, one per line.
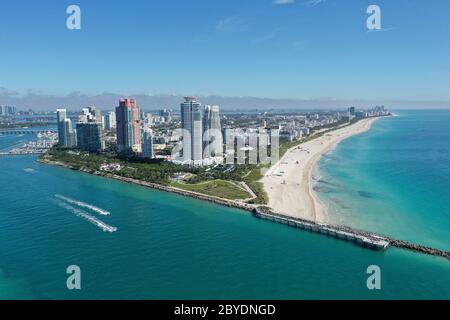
x=289 y=183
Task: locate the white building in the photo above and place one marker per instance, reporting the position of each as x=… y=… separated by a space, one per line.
x=147 y=144
x=212 y=133
x=191 y=123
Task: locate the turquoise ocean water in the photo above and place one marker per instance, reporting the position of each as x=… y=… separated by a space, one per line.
x=172 y=247
x=393 y=179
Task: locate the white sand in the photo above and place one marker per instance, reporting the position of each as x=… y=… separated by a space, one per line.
x=289 y=183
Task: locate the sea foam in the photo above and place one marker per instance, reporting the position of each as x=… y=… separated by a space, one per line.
x=81 y=204
x=83 y=214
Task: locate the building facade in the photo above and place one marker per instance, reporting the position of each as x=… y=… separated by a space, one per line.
x=90 y=130
x=191 y=123
x=66 y=134
x=90 y=136
x=147 y=144
x=110 y=121
x=212 y=133
x=128 y=126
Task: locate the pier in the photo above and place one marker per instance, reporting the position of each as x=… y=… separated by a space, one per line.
x=362 y=238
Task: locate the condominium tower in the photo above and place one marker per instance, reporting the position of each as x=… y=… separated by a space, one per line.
x=128 y=126
x=66 y=134
x=191 y=123
x=212 y=134
x=90 y=130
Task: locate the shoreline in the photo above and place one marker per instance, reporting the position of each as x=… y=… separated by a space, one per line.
x=359 y=237
x=160 y=187
x=294 y=196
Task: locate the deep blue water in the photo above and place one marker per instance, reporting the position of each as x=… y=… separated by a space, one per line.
x=168 y=246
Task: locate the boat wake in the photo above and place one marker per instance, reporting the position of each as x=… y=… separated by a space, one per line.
x=83 y=214
x=81 y=204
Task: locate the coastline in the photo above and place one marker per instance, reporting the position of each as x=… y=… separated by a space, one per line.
x=160 y=187
x=293 y=196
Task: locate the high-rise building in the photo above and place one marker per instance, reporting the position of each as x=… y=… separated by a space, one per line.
x=147 y=144
x=166 y=114
x=70 y=134
x=7 y=111
x=128 y=126
x=191 y=122
x=66 y=134
x=110 y=121
x=90 y=136
x=90 y=130
x=61 y=115
x=212 y=131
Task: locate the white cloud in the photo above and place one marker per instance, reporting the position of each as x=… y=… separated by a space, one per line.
x=314 y=3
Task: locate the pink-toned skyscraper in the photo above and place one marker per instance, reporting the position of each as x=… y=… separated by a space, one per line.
x=128 y=126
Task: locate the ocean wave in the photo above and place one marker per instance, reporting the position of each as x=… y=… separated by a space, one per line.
x=83 y=214
x=81 y=204
x=29 y=170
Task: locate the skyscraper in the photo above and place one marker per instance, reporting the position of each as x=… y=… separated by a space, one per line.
x=66 y=134
x=7 y=111
x=128 y=126
x=90 y=130
x=166 y=114
x=191 y=122
x=70 y=134
x=61 y=115
x=90 y=136
x=110 y=121
x=212 y=134
x=147 y=144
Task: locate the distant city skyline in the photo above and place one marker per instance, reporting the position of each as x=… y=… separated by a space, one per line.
x=107 y=102
x=286 y=54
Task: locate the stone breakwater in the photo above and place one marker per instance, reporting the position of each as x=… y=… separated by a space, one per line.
x=359 y=237
x=362 y=238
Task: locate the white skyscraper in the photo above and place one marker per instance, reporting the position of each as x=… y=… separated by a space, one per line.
x=110 y=121
x=212 y=136
x=66 y=134
x=191 y=122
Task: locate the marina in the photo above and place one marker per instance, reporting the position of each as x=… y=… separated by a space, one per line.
x=46 y=140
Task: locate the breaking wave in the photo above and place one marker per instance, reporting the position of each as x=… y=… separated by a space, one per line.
x=83 y=214
x=81 y=204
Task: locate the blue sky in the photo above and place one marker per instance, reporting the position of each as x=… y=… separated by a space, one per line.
x=306 y=49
